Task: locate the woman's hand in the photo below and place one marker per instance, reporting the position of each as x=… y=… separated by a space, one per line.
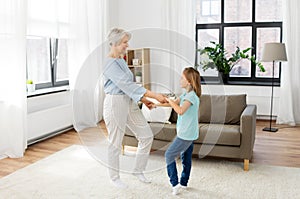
x=161 y=98
x=148 y=103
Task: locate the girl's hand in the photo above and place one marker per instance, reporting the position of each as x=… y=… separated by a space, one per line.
x=170 y=100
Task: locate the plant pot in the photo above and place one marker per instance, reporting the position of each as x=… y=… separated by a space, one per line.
x=223 y=77
x=30 y=87
x=138 y=79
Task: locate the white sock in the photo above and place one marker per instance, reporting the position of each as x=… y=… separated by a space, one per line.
x=119 y=183
x=141 y=177
x=175 y=189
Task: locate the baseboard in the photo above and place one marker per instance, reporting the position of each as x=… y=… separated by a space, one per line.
x=49 y=135
x=266 y=117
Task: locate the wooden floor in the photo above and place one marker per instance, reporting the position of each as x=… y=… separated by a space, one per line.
x=281 y=148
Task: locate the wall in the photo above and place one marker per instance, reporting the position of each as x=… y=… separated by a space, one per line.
x=259 y=95
x=134 y=14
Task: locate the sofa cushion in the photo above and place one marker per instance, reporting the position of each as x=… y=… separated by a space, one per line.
x=235 y=107
x=161 y=131
x=167 y=132
x=212 y=109
x=219 y=134
x=221 y=108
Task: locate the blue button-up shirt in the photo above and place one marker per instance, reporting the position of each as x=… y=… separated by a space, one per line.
x=118 y=80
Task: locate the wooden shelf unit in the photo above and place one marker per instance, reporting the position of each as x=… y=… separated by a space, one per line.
x=143 y=54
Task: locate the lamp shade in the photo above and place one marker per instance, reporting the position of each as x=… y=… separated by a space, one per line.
x=274 y=52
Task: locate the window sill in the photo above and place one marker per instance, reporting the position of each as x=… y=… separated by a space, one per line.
x=47 y=91
x=253 y=83
x=241 y=83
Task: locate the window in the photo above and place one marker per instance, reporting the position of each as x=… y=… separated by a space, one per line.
x=209 y=11
x=242 y=23
x=47 y=63
x=47 y=34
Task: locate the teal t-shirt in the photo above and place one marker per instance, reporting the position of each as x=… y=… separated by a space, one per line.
x=187 y=124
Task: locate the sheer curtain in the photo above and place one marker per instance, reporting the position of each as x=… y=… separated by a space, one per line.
x=289 y=109
x=13 y=108
x=88 y=28
x=180 y=18
x=48 y=18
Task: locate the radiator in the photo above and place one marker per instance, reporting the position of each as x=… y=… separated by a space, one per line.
x=49 y=122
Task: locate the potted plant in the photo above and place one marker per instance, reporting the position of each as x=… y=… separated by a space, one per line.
x=138 y=76
x=218 y=59
x=30 y=85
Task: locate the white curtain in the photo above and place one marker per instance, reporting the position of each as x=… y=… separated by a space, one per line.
x=88 y=28
x=180 y=18
x=48 y=18
x=13 y=108
x=289 y=107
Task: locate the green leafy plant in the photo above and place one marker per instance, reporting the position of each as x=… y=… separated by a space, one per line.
x=219 y=60
x=138 y=73
x=29 y=81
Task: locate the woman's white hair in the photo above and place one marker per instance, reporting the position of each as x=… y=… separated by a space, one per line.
x=116 y=35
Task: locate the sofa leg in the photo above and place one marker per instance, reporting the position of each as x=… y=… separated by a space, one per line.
x=246 y=165
x=123 y=149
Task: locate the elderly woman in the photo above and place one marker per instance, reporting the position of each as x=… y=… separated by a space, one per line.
x=121 y=109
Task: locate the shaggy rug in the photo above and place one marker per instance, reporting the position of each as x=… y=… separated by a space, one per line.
x=74 y=173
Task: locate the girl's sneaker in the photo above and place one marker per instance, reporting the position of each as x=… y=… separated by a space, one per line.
x=175 y=189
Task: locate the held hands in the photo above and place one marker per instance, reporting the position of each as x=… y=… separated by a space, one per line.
x=148 y=103
x=157 y=96
x=170 y=101
x=161 y=98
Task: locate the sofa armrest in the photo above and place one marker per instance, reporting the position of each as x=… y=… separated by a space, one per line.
x=248 y=131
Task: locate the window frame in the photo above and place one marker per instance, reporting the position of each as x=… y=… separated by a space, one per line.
x=253 y=80
x=53 y=52
x=210 y=8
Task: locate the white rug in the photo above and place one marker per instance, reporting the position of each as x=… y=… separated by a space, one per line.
x=73 y=173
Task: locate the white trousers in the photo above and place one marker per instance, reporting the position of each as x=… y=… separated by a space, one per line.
x=120 y=111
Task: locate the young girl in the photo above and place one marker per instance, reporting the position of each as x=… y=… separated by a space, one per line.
x=186 y=106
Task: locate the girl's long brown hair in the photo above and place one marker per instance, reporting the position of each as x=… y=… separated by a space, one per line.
x=193 y=77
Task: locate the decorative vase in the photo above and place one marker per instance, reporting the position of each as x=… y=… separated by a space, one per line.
x=223 y=77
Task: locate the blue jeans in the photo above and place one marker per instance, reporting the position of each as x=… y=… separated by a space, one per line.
x=184 y=148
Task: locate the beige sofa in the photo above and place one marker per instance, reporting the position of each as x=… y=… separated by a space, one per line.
x=227 y=128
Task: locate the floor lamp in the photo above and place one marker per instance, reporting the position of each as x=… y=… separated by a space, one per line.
x=273 y=52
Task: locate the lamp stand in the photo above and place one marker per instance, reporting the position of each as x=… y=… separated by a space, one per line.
x=270 y=129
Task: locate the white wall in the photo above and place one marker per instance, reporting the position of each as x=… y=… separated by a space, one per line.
x=259 y=95
x=137 y=14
